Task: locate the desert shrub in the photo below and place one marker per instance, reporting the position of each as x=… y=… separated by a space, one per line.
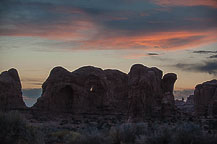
x=127 y=133
x=205 y=139
x=63 y=136
x=57 y=136
x=157 y=134
x=72 y=137
x=180 y=133
x=186 y=133
x=141 y=133
x=92 y=137
x=14 y=130
x=190 y=133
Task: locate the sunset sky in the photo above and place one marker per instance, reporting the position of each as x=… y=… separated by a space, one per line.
x=174 y=35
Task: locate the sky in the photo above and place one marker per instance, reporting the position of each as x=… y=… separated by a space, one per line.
x=173 y=35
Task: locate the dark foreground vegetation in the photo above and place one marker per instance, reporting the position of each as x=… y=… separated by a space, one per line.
x=15 y=130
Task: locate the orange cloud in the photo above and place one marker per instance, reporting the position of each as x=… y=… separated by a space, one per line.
x=91 y=36
x=211 y=3
x=161 y=41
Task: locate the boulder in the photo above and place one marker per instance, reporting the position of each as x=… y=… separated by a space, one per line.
x=205 y=98
x=10 y=91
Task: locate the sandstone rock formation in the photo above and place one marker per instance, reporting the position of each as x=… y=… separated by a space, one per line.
x=10 y=90
x=86 y=90
x=167 y=102
x=205 y=98
x=92 y=90
x=149 y=94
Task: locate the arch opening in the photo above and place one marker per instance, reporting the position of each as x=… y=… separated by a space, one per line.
x=64 y=99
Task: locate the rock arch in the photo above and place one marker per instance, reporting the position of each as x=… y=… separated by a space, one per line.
x=96 y=90
x=64 y=98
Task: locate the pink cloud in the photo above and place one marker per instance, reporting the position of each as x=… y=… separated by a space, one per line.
x=91 y=36
x=211 y=3
x=161 y=41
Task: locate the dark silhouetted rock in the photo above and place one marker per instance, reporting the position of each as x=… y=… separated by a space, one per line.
x=205 y=98
x=10 y=90
x=168 y=82
x=117 y=90
x=86 y=90
x=168 y=102
x=95 y=91
x=149 y=94
x=144 y=90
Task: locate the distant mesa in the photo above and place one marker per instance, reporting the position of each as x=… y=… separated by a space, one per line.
x=10 y=91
